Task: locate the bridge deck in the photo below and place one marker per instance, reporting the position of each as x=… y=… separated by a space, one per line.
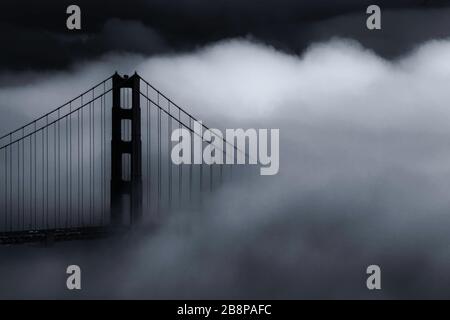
x=53 y=235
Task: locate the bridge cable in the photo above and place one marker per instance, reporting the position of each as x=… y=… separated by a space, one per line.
x=149 y=169
x=159 y=157
x=23 y=182
x=69 y=169
x=10 y=183
x=169 y=163
x=56 y=190
x=59 y=170
x=82 y=167
x=180 y=169
x=80 y=159
x=6 y=188
x=190 y=166
x=92 y=164
x=101 y=159
x=35 y=178
x=47 y=172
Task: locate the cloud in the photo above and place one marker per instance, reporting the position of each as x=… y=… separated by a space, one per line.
x=363 y=180
x=41 y=42
x=130 y=36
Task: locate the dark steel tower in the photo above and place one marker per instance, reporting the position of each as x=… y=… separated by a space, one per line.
x=126 y=176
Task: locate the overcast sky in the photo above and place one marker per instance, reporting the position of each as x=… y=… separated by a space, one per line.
x=34 y=33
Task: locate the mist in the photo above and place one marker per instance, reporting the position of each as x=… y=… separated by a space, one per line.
x=364 y=160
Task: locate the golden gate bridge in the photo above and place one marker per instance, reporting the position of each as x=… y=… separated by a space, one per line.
x=97 y=165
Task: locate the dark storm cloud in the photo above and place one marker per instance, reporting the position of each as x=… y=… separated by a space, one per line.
x=34 y=35
x=40 y=49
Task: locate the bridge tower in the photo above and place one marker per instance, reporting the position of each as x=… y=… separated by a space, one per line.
x=126 y=181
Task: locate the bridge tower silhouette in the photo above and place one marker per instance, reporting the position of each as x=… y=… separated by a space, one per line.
x=126 y=187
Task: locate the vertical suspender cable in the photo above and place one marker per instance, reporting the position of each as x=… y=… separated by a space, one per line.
x=93 y=156
x=149 y=169
x=78 y=165
x=169 y=162
x=192 y=153
x=35 y=177
x=6 y=188
x=59 y=168
x=101 y=159
x=91 y=160
x=47 y=167
x=23 y=181
x=82 y=165
x=68 y=196
x=159 y=154
x=55 y=186
x=31 y=182
x=10 y=183
x=43 y=179
x=69 y=157
x=180 y=168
